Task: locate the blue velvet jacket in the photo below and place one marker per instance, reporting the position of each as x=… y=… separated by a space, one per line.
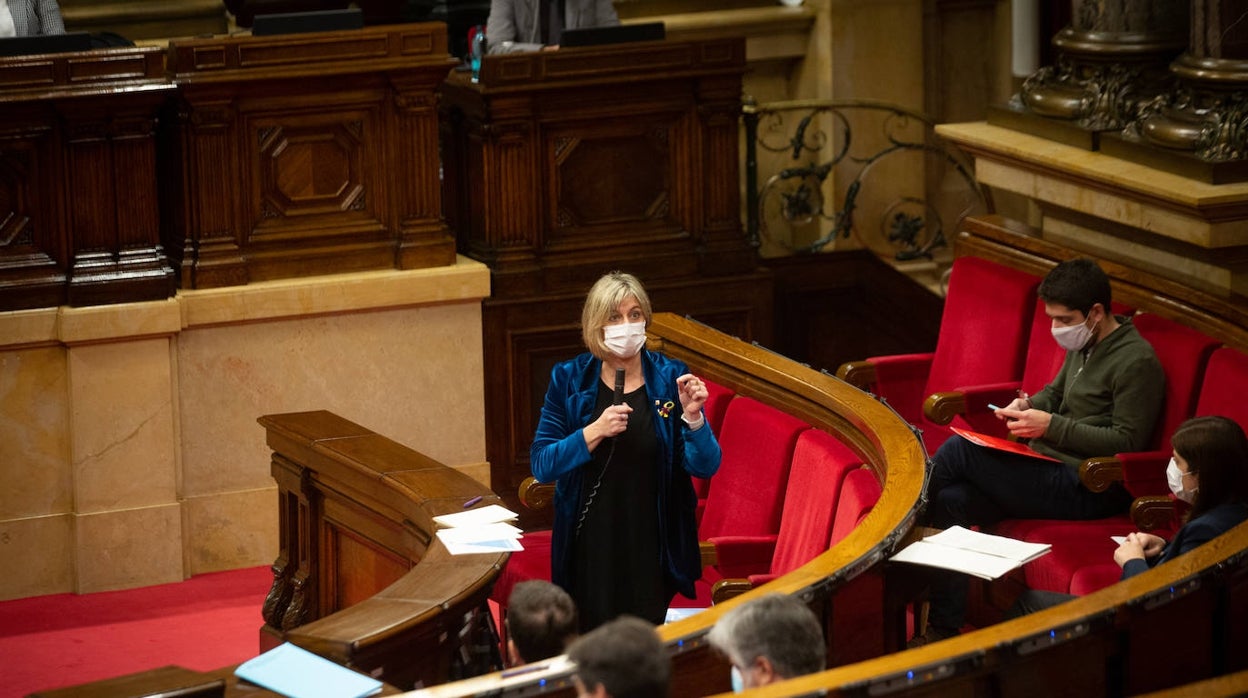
x=559 y=451
x=1199 y=530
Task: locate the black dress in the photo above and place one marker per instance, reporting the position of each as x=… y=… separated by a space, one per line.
x=615 y=552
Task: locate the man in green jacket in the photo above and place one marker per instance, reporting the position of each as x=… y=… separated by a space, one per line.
x=1105 y=400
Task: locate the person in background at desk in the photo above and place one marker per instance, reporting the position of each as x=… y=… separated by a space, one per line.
x=516 y=26
x=30 y=18
x=1209 y=470
x=625 y=538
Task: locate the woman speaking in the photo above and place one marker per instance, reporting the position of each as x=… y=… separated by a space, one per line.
x=620 y=433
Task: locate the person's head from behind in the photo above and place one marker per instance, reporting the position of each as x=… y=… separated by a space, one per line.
x=1210 y=464
x=1077 y=298
x=769 y=639
x=615 y=316
x=541 y=621
x=623 y=658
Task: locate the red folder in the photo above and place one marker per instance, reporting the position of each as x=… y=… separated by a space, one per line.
x=1000 y=444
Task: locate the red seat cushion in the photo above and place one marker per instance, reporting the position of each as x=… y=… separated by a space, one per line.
x=747 y=492
x=820 y=465
x=1076 y=545
x=1225 y=385
x=859 y=493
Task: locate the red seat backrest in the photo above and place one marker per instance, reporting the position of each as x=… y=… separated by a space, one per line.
x=747 y=492
x=859 y=493
x=984 y=326
x=1183 y=353
x=716 y=406
x=1224 y=390
x=820 y=463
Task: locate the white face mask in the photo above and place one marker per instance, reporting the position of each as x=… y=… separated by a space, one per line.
x=626 y=339
x=738 y=684
x=1074 y=337
x=1174 y=478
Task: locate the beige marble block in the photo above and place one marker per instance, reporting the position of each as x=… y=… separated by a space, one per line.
x=122 y=425
x=414 y=375
x=128 y=548
x=34 y=433
x=36 y=554
x=230 y=530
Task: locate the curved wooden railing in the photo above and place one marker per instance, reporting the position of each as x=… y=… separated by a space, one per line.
x=360 y=577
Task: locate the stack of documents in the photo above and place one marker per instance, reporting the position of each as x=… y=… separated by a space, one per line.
x=483 y=530
x=964 y=550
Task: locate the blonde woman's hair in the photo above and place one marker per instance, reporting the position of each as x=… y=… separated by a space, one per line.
x=604 y=297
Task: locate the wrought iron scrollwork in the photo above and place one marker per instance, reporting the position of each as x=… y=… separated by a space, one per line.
x=835 y=164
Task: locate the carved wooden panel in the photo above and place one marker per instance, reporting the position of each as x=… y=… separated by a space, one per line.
x=308 y=155
x=79 y=207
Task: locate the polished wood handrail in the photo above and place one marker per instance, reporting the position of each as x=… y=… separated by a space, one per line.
x=350 y=496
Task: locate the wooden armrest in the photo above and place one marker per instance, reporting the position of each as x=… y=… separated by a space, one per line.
x=536 y=495
x=860 y=374
x=1152 y=512
x=942 y=407
x=725 y=589
x=709 y=556
x=1097 y=474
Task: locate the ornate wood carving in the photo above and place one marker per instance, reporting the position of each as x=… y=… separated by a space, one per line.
x=308 y=157
x=79 y=213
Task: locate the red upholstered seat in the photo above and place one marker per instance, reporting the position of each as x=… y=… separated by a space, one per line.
x=859 y=493
x=820 y=463
x=746 y=496
x=1225 y=388
x=983 y=338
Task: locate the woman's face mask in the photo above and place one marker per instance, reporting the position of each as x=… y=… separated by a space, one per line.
x=1175 y=478
x=626 y=339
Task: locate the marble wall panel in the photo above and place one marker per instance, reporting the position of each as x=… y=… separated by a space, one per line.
x=122 y=425
x=34 y=433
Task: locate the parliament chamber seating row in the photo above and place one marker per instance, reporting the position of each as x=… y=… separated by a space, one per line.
x=995 y=342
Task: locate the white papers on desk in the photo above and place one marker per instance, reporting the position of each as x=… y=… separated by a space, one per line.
x=481 y=530
x=476 y=517
x=978 y=554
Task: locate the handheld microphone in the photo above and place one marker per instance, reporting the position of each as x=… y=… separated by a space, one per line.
x=619 y=387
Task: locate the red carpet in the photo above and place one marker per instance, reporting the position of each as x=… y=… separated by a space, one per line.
x=206 y=622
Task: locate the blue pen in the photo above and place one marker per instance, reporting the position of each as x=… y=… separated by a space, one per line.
x=993 y=407
x=472 y=501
